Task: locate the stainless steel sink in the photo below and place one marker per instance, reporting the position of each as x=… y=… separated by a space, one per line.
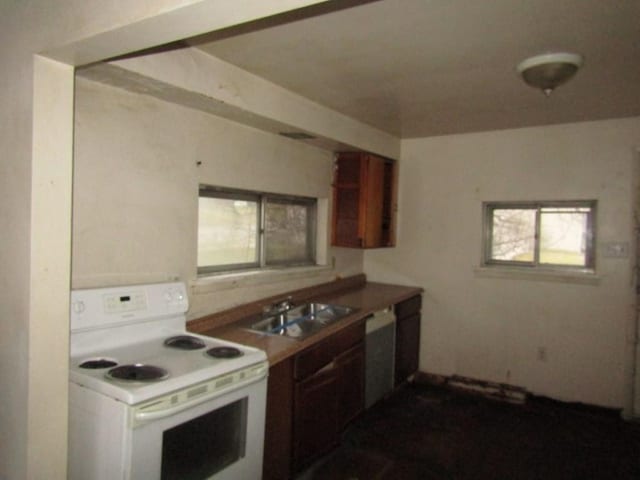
x=301 y=321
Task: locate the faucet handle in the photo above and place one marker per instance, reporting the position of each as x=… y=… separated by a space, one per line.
x=287 y=302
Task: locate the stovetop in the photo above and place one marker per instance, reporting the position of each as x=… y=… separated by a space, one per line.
x=184 y=367
x=114 y=327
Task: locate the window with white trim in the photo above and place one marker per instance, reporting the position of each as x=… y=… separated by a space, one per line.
x=550 y=234
x=240 y=229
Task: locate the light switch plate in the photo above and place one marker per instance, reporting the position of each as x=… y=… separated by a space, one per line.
x=615 y=249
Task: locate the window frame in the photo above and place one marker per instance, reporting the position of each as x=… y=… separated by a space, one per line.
x=312 y=208
x=590 y=247
x=262 y=199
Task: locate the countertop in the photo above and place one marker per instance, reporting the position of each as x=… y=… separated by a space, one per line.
x=365 y=299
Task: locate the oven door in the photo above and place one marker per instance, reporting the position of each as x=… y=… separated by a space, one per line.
x=220 y=438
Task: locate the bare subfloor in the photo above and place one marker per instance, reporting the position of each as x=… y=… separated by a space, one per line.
x=426 y=432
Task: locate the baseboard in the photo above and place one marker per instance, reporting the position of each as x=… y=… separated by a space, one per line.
x=498 y=391
x=430 y=378
x=514 y=394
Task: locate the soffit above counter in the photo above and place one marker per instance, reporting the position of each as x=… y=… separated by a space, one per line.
x=196 y=80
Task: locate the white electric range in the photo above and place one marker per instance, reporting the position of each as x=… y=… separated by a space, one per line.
x=149 y=400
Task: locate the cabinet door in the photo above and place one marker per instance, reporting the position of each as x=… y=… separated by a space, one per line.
x=313 y=359
x=389 y=203
x=408 y=307
x=364 y=201
x=347 y=204
x=407 y=347
x=278 y=426
x=370 y=228
x=315 y=416
x=350 y=368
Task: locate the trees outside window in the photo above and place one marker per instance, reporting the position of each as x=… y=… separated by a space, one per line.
x=242 y=230
x=551 y=234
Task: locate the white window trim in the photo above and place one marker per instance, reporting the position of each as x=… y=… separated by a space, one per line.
x=216 y=282
x=580 y=277
x=319 y=245
x=502 y=269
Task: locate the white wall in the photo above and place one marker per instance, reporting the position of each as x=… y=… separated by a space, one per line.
x=91 y=30
x=491 y=328
x=136 y=192
x=33 y=307
x=27 y=29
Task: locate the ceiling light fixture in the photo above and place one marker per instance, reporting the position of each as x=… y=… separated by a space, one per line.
x=549 y=70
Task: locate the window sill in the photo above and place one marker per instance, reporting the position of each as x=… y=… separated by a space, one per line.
x=215 y=282
x=538 y=274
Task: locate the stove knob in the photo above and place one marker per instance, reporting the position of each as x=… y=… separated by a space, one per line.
x=168 y=296
x=173 y=296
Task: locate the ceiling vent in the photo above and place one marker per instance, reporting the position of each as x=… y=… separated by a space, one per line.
x=297 y=135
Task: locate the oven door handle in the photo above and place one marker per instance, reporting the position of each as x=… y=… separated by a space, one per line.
x=141 y=416
x=145 y=417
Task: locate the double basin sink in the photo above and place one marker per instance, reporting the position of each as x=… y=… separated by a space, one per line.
x=300 y=321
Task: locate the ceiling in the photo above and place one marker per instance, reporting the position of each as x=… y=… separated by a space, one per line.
x=417 y=68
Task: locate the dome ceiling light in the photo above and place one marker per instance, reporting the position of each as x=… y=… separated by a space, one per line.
x=549 y=70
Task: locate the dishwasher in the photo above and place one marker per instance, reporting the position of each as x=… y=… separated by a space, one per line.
x=379 y=355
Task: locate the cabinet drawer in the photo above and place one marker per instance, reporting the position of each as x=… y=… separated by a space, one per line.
x=313 y=359
x=322 y=353
x=408 y=307
x=347 y=338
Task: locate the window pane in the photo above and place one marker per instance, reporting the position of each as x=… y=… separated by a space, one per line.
x=227 y=232
x=563 y=236
x=513 y=234
x=288 y=237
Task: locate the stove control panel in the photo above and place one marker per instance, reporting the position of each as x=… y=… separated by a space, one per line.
x=114 y=303
x=102 y=307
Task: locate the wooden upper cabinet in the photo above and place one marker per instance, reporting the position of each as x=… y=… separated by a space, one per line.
x=364 y=201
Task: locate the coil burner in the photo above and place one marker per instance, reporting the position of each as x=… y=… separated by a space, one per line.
x=224 y=352
x=138 y=372
x=98 y=363
x=184 y=342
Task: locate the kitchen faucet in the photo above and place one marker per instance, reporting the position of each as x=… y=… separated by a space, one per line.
x=278 y=307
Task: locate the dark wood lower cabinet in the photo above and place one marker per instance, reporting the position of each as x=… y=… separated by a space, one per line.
x=315 y=416
x=313 y=396
x=329 y=395
x=407 y=347
x=407 y=338
x=278 y=426
x=350 y=372
x=325 y=403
